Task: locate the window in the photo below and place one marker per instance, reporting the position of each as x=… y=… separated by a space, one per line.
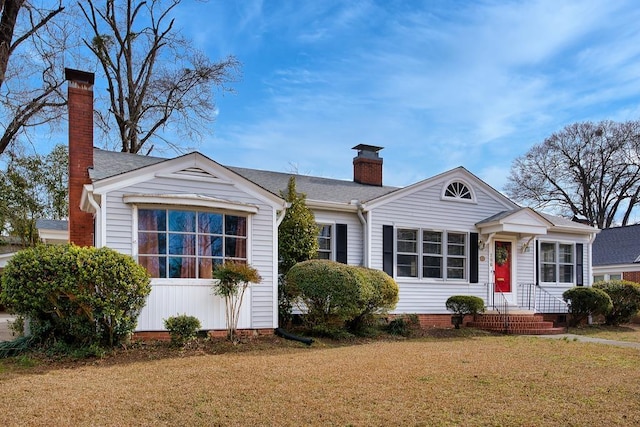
x=557 y=262
x=437 y=255
x=607 y=277
x=324 y=242
x=458 y=190
x=188 y=244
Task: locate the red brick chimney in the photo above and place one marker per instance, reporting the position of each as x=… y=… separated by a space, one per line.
x=80 y=104
x=367 y=165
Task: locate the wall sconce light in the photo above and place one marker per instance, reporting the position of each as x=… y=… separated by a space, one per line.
x=480 y=244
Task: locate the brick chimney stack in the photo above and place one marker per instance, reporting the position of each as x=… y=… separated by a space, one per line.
x=80 y=104
x=367 y=165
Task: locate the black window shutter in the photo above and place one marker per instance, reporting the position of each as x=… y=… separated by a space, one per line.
x=579 y=266
x=537 y=264
x=473 y=258
x=341 y=243
x=387 y=249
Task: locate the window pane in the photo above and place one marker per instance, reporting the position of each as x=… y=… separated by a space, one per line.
x=323 y=255
x=598 y=278
x=235 y=225
x=182 y=267
x=456 y=238
x=210 y=223
x=184 y=221
x=210 y=245
x=566 y=273
x=432 y=242
x=566 y=254
x=235 y=247
x=182 y=244
x=156 y=266
x=152 y=243
x=407 y=235
x=407 y=265
x=205 y=267
x=548 y=252
x=411 y=247
x=548 y=273
x=324 y=244
x=615 y=277
x=432 y=267
x=152 y=220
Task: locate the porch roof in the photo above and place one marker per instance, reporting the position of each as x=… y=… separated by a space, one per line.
x=519 y=221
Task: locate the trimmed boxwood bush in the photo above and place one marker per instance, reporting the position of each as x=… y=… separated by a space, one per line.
x=334 y=295
x=584 y=302
x=625 y=297
x=182 y=328
x=462 y=305
x=382 y=299
x=80 y=296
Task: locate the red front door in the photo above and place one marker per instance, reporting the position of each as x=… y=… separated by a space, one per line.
x=502 y=266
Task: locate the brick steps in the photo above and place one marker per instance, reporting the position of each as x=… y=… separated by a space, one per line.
x=517 y=324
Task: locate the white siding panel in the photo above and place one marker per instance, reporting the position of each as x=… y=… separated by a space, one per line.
x=193 y=300
x=170 y=300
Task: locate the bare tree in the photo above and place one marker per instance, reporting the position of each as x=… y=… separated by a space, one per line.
x=31 y=48
x=155 y=77
x=588 y=170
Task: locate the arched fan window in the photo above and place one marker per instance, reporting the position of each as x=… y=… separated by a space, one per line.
x=458 y=190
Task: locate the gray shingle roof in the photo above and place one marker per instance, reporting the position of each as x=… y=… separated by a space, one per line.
x=110 y=163
x=52 y=224
x=619 y=245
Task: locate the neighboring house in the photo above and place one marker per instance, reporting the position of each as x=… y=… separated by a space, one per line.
x=447 y=235
x=50 y=231
x=616 y=254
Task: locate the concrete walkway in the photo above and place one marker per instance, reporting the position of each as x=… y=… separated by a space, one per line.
x=583 y=338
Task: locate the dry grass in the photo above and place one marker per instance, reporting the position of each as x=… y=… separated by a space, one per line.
x=629 y=332
x=486 y=380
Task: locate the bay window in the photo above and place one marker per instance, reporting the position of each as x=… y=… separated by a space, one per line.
x=189 y=244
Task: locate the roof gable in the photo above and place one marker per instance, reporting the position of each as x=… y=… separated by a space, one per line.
x=444 y=179
x=523 y=220
x=193 y=167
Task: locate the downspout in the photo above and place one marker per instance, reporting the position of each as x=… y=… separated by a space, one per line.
x=365 y=234
x=97 y=216
x=282 y=213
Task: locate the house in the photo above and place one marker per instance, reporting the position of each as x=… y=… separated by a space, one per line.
x=446 y=235
x=616 y=254
x=50 y=231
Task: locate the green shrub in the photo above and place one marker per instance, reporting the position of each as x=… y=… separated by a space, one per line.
x=182 y=328
x=462 y=305
x=328 y=292
x=382 y=298
x=625 y=297
x=584 y=302
x=82 y=296
x=334 y=295
x=404 y=325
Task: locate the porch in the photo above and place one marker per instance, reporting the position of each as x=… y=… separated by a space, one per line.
x=532 y=311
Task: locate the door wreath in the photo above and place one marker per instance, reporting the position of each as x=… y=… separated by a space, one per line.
x=501 y=255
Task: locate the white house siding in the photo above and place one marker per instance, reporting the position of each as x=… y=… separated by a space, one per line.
x=195 y=297
x=426 y=209
x=354 y=232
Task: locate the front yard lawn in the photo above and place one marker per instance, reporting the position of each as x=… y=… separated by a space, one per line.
x=447 y=381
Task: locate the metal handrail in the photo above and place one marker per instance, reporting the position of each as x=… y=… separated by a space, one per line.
x=534 y=297
x=502 y=307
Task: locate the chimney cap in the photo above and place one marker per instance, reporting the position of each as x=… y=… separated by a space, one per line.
x=79 y=76
x=365 y=147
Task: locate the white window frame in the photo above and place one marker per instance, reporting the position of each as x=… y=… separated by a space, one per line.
x=421 y=254
x=556 y=262
x=331 y=238
x=468 y=187
x=160 y=280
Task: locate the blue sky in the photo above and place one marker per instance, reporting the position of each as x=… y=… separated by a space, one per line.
x=438 y=84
